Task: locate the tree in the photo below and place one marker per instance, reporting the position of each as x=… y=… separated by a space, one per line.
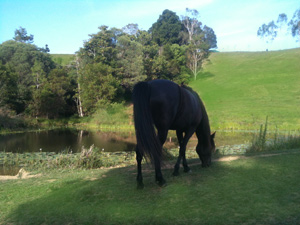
x=98 y=86
x=21 y=36
x=191 y=23
x=8 y=88
x=200 y=40
x=130 y=62
x=294 y=24
x=171 y=64
x=77 y=96
x=166 y=29
x=209 y=37
x=270 y=30
x=100 y=47
x=29 y=64
x=131 y=29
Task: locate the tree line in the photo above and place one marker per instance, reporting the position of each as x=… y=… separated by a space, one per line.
x=105 y=69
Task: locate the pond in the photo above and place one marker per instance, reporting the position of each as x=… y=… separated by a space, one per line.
x=72 y=140
x=66 y=140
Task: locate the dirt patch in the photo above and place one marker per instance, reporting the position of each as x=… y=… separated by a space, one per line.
x=232 y=158
x=229 y=158
x=22 y=174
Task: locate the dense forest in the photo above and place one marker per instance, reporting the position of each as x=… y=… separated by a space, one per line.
x=104 y=70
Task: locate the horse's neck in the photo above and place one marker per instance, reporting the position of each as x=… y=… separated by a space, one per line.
x=204 y=127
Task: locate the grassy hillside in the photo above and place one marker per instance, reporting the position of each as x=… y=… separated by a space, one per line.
x=63 y=59
x=240 y=89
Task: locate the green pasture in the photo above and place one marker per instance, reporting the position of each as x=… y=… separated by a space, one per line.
x=63 y=59
x=241 y=88
x=253 y=190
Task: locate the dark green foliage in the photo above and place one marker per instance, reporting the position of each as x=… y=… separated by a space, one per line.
x=210 y=37
x=98 y=86
x=166 y=29
x=100 y=47
x=21 y=36
x=50 y=99
x=130 y=68
x=29 y=65
x=8 y=87
x=31 y=83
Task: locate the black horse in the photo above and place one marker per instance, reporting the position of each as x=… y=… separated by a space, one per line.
x=169 y=107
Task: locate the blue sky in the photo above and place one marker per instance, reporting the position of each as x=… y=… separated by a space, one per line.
x=65 y=24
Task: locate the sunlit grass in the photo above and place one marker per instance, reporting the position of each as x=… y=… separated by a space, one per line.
x=240 y=89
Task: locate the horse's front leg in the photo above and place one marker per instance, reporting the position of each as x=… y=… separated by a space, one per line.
x=183 y=142
x=177 y=165
x=139 y=178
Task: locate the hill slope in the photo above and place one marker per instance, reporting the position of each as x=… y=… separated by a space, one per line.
x=63 y=59
x=240 y=89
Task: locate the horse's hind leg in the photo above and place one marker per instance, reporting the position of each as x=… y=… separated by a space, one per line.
x=139 y=178
x=162 y=136
x=158 y=174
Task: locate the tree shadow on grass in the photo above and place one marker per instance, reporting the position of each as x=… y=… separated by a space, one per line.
x=204 y=75
x=248 y=191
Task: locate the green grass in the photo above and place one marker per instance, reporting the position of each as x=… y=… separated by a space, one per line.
x=63 y=59
x=256 y=190
x=240 y=89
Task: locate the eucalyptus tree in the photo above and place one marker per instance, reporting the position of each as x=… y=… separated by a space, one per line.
x=21 y=36
x=269 y=31
x=200 y=40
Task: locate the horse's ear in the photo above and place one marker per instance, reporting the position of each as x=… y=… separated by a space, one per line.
x=213 y=135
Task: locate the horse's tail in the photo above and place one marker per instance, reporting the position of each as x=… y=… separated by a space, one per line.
x=147 y=141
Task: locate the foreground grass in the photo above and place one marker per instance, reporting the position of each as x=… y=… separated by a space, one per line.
x=257 y=190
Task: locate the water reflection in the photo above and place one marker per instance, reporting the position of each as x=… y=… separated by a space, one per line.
x=65 y=140
x=73 y=140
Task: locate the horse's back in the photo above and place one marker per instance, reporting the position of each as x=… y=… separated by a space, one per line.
x=164 y=102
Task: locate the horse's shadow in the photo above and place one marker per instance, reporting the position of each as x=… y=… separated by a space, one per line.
x=102 y=198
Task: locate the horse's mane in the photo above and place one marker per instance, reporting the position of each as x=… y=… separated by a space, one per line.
x=191 y=90
x=205 y=120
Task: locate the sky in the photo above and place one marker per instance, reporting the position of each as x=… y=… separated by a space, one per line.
x=64 y=25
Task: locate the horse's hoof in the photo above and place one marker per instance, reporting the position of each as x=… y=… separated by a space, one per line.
x=175 y=173
x=161 y=183
x=205 y=165
x=140 y=186
x=187 y=170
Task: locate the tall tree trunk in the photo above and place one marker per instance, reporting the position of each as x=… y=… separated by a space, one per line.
x=79 y=105
x=78 y=99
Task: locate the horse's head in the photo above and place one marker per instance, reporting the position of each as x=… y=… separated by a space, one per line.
x=205 y=150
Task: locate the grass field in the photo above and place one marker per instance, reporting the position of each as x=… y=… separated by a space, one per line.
x=240 y=89
x=255 y=190
x=63 y=59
